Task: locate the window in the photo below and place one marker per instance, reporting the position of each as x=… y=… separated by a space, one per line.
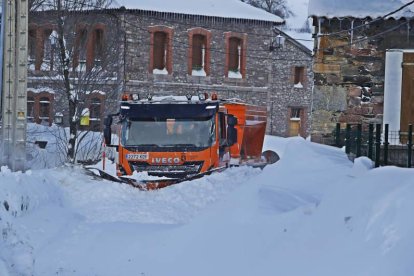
x=30 y=109
x=98 y=47
x=32 y=46
x=44 y=110
x=95 y=108
x=48 y=40
x=95 y=114
x=79 y=62
x=235 y=55
x=160 y=50
x=299 y=76
x=83 y=37
x=39 y=106
x=295 y=113
x=199 y=52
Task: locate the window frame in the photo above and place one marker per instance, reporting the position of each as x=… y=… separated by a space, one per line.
x=168 y=47
x=299 y=76
x=207 y=50
x=32 y=44
x=81 y=41
x=97 y=47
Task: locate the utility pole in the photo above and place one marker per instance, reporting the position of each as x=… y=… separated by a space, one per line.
x=14 y=84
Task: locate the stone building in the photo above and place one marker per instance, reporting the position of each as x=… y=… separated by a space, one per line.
x=351 y=41
x=237 y=52
x=94 y=66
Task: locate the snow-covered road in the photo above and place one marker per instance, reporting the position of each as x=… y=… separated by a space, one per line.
x=312 y=213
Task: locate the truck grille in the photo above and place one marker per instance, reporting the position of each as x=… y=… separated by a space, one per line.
x=173 y=171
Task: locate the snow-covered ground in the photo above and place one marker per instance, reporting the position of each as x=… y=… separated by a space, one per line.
x=312 y=213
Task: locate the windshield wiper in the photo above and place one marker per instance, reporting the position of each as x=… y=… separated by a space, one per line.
x=143 y=145
x=179 y=145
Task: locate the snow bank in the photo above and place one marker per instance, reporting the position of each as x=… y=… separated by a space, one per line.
x=314 y=212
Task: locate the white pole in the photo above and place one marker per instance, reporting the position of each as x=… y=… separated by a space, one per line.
x=14 y=96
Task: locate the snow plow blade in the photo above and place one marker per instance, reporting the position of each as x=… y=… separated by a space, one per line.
x=151 y=184
x=270 y=157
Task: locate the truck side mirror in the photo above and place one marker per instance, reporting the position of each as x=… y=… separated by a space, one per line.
x=107 y=130
x=231 y=130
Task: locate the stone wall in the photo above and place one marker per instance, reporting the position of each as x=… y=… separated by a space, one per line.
x=349 y=69
x=267 y=77
x=268 y=74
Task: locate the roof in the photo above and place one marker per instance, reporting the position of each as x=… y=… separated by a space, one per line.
x=359 y=9
x=216 y=8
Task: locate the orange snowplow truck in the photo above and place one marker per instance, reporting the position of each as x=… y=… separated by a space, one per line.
x=184 y=137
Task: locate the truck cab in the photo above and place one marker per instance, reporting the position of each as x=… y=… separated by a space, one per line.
x=173 y=137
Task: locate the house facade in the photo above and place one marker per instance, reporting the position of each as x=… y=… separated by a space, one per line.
x=351 y=42
x=180 y=53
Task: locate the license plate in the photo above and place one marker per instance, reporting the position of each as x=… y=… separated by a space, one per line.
x=137 y=156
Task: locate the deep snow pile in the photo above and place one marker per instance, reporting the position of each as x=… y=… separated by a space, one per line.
x=312 y=213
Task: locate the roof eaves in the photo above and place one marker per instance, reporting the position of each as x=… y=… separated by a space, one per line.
x=201 y=15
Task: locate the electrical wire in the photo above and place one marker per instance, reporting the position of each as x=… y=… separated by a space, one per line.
x=370 y=22
x=271 y=58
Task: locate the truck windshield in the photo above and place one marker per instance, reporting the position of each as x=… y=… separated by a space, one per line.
x=169 y=133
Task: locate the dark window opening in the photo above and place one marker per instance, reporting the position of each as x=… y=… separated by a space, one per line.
x=99 y=46
x=295 y=113
x=160 y=50
x=44 y=109
x=48 y=49
x=82 y=44
x=30 y=109
x=95 y=109
x=199 y=52
x=32 y=45
x=234 y=54
x=299 y=75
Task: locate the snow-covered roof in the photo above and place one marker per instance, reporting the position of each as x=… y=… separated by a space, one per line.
x=41 y=90
x=218 y=8
x=359 y=9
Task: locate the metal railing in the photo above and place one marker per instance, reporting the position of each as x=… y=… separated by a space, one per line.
x=378 y=143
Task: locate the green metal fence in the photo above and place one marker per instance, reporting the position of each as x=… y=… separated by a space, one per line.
x=379 y=144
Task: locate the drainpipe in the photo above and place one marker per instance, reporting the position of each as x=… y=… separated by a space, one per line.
x=311 y=112
x=319 y=33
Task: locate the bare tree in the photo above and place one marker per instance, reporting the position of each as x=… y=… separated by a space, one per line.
x=277 y=7
x=72 y=77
